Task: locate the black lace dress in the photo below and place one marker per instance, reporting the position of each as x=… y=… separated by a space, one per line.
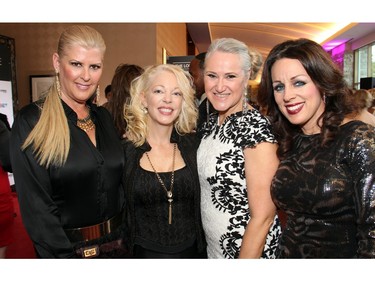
x=329 y=196
x=151 y=212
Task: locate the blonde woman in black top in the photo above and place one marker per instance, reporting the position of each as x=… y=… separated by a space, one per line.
x=67 y=158
x=161 y=179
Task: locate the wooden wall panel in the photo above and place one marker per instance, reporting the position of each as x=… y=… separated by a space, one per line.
x=137 y=43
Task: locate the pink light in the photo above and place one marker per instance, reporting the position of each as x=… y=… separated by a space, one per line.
x=333 y=44
x=340 y=49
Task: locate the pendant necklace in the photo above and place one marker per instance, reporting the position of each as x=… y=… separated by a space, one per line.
x=170 y=191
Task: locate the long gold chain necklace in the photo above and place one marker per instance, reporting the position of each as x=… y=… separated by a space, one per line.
x=86 y=123
x=170 y=191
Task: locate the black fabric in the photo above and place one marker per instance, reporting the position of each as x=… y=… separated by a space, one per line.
x=188 y=146
x=152 y=210
x=4 y=145
x=4 y=118
x=328 y=195
x=87 y=190
x=189 y=253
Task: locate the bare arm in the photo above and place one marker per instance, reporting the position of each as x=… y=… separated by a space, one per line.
x=261 y=164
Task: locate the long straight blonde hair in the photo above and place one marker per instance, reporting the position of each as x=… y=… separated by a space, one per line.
x=50 y=138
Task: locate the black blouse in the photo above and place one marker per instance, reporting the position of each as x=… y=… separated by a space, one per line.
x=189 y=224
x=87 y=190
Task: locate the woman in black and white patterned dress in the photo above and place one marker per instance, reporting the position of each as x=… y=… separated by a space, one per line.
x=236 y=159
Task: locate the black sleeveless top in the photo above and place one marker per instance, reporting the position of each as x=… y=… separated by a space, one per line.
x=152 y=209
x=147 y=205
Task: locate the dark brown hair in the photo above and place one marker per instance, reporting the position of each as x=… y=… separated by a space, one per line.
x=327 y=77
x=120 y=89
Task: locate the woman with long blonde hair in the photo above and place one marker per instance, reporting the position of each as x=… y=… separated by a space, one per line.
x=67 y=158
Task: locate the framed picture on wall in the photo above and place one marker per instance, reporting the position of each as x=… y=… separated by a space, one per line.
x=39 y=84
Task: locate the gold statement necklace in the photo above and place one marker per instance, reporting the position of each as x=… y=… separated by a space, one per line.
x=86 y=123
x=170 y=191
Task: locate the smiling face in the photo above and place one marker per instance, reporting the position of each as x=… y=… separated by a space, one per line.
x=163 y=99
x=225 y=82
x=296 y=95
x=79 y=72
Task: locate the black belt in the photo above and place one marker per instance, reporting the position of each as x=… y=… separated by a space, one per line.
x=94 y=231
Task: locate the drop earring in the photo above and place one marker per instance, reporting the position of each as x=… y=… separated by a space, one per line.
x=58 y=87
x=97 y=98
x=208 y=109
x=244 y=104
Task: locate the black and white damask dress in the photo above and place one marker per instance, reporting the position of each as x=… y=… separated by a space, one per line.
x=221 y=165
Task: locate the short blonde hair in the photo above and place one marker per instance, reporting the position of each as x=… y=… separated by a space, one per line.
x=372 y=92
x=363 y=98
x=135 y=115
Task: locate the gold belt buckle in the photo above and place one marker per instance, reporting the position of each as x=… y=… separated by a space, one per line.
x=90 y=252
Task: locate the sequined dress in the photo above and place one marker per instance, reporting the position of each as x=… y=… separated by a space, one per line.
x=224 y=204
x=329 y=196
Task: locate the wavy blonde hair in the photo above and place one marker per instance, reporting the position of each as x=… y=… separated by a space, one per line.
x=135 y=115
x=50 y=138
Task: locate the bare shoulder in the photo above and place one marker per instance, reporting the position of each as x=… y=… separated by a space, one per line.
x=367 y=117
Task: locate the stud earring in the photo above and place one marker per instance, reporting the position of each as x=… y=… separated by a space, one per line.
x=144 y=109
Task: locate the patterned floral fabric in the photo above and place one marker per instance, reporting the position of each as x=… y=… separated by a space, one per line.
x=224 y=203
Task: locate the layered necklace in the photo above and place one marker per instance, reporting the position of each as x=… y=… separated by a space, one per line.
x=86 y=123
x=170 y=191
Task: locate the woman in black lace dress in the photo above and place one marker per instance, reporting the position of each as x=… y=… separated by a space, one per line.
x=161 y=179
x=325 y=181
